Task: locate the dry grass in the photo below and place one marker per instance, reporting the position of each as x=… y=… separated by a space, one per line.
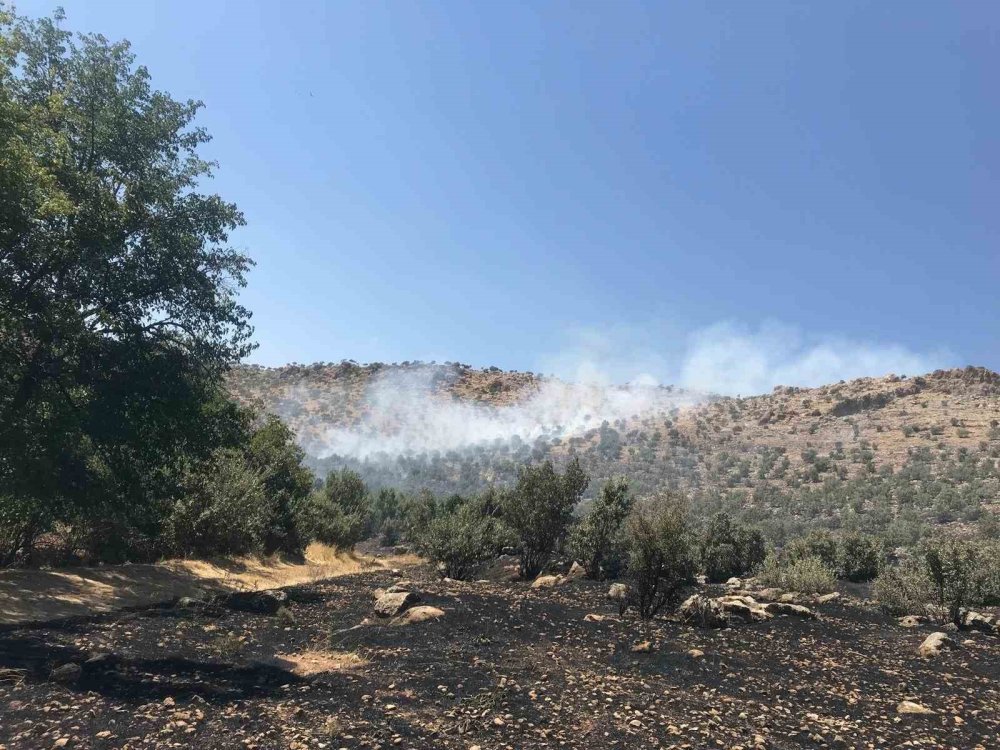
x=39 y=595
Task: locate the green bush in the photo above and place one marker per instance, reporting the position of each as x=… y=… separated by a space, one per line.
x=817 y=543
x=960 y=573
x=223 y=509
x=729 y=548
x=337 y=512
x=903 y=589
x=597 y=540
x=460 y=540
x=806 y=575
x=661 y=555
x=859 y=557
x=538 y=510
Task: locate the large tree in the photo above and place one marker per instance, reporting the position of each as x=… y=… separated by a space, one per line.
x=118 y=290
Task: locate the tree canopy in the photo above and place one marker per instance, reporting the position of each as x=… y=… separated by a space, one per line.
x=118 y=288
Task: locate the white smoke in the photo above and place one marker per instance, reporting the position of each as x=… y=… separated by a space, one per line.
x=406 y=414
x=735 y=360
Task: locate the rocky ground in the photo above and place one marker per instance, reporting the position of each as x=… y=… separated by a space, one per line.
x=506 y=666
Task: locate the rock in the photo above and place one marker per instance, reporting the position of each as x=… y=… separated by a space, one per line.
x=618 y=592
x=982 y=623
x=392 y=604
x=187 y=602
x=734 y=583
x=789 y=597
x=99 y=661
x=66 y=673
x=827 y=598
x=912 y=621
x=546 y=582
x=911 y=707
x=401 y=588
x=266 y=602
x=794 y=610
x=641 y=648
x=695 y=653
x=745 y=607
x=703 y=612
x=768 y=595
x=396 y=573
x=594 y=618
x=933 y=644
x=419 y=614
x=576 y=572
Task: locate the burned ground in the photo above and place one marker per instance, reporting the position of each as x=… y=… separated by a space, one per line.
x=506 y=667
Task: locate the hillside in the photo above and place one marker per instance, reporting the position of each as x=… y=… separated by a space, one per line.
x=865 y=438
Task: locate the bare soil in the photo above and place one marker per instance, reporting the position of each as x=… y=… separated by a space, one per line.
x=506 y=667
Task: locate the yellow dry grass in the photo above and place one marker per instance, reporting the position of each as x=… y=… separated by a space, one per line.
x=38 y=595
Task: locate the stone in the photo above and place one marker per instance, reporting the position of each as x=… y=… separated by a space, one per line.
x=703 y=612
x=591 y=617
x=641 y=648
x=912 y=621
x=983 y=623
x=734 y=583
x=827 y=598
x=933 y=644
x=419 y=614
x=393 y=604
x=266 y=602
x=695 y=653
x=911 y=707
x=66 y=673
x=576 y=572
x=546 y=582
x=618 y=592
x=793 y=610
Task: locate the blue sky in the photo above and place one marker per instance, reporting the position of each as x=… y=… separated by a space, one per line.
x=804 y=191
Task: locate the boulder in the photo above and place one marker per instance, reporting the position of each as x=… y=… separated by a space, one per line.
x=576 y=572
x=827 y=598
x=769 y=595
x=266 y=602
x=734 y=583
x=592 y=617
x=401 y=588
x=618 y=592
x=393 y=604
x=744 y=607
x=911 y=707
x=793 y=610
x=703 y=612
x=546 y=582
x=912 y=621
x=789 y=597
x=419 y=614
x=933 y=644
x=66 y=673
x=695 y=653
x=982 y=623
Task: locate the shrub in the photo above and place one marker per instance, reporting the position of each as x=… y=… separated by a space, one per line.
x=597 y=541
x=460 y=540
x=903 y=589
x=817 y=543
x=730 y=549
x=661 y=555
x=338 y=511
x=959 y=573
x=539 y=509
x=807 y=575
x=859 y=557
x=223 y=509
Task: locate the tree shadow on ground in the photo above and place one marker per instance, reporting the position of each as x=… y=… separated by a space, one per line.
x=140 y=680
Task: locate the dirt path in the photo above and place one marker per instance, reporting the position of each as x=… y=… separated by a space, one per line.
x=43 y=595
